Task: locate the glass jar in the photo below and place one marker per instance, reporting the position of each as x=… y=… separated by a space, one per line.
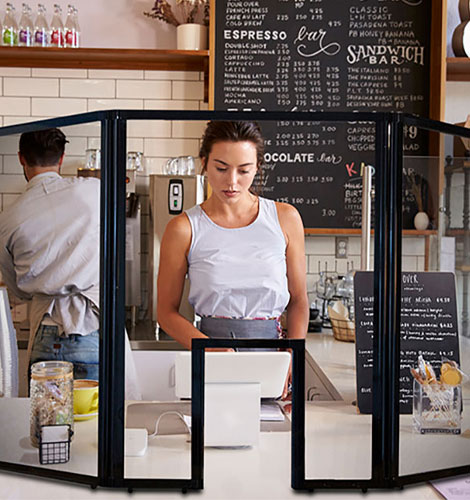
x=93 y=159
x=135 y=161
x=51 y=393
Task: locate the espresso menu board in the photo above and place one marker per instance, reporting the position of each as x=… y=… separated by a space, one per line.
x=320 y=55
x=428 y=326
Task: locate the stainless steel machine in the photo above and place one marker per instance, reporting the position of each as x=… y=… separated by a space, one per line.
x=169 y=196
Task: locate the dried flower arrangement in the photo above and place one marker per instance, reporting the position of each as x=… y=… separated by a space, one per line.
x=187 y=11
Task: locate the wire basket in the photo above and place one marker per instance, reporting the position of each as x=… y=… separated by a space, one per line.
x=342 y=330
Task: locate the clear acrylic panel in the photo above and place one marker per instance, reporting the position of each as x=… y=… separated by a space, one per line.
x=52 y=400
x=434 y=337
x=338 y=395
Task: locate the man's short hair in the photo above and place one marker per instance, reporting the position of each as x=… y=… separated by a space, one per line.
x=42 y=148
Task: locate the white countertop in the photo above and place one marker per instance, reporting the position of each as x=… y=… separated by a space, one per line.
x=338 y=446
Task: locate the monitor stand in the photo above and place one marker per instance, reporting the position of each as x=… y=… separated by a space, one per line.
x=232 y=414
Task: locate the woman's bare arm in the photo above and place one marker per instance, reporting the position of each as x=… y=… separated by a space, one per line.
x=171 y=277
x=297 y=309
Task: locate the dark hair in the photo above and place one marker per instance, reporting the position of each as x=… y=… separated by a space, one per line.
x=42 y=148
x=220 y=131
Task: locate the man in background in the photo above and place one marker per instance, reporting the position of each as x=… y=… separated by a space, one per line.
x=50 y=255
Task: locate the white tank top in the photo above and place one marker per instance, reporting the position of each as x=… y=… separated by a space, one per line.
x=238 y=272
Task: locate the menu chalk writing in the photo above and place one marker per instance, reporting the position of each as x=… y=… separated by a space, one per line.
x=428 y=326
x=311 y=55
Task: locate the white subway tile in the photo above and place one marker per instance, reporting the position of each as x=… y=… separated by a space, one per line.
x=15 y=72
x=420 y=264
x=11 y=164
x=170 y=147
x=135 y=144
x=31 y=87
x=171 y=75
x=320 y=245
x=59 y=73
x=203 y=106
x=15 y=120
x=103 y=104
x=71 y=164
x=15 y=106
x=413 y=246
x=187 y=90
x=8 y=199
x=137 y=89
x=171 y=104
x=1 y=163
x=148 y=128
x=87 y=88
x=42 y=106
x=116 y=74
x=13 y=184
x=93 y=143
x=83 y=130
x=188 y=129
x=354 y=245
x=76 y=146
x=409 y=263
x=1 y=86
x=9 y=145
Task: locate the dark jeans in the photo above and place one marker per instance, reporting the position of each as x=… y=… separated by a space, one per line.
x=81 y=350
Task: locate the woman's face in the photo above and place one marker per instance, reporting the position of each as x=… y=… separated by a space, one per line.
x=231 y=168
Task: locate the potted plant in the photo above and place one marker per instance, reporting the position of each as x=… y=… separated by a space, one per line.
x=421 y=219
x=191 y=18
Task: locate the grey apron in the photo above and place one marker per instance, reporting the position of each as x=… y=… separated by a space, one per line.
x=227 y=328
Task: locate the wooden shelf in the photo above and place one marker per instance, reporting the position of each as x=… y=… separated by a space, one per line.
x=52 y=57
x=458 y=69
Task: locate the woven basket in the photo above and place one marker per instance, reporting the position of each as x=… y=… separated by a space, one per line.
x=342 y=330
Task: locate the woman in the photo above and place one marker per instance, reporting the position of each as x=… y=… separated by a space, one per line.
x=244 y=254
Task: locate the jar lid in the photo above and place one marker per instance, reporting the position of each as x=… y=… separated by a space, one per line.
x=51 y=369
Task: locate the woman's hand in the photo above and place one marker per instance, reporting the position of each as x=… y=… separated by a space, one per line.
x=288 y=383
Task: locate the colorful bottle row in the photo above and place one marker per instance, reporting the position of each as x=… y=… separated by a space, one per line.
x=27 y=33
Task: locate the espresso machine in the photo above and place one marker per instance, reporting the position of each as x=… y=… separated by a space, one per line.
x=169 y=195
x=133 y=227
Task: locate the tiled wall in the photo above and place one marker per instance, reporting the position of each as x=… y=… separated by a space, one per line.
x=31 y=94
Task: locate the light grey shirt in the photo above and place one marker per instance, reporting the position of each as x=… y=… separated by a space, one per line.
x=49 y=251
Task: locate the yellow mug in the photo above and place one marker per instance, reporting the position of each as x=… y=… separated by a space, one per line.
x=85 y=396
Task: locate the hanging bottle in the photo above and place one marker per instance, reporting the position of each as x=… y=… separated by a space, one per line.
x=41 y=29
x=10 y=28
x=25 y=29
x=57 y=28
x=71 y=28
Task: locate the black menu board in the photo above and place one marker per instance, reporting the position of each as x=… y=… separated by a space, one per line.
x=323 y=55
x=428 y=326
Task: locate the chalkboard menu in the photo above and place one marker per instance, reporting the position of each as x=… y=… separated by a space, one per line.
x=323 y=55
x=428 y=327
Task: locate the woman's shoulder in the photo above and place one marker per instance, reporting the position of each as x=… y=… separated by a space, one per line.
x=287 y=212
x=289 y=219
x=179 y=226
